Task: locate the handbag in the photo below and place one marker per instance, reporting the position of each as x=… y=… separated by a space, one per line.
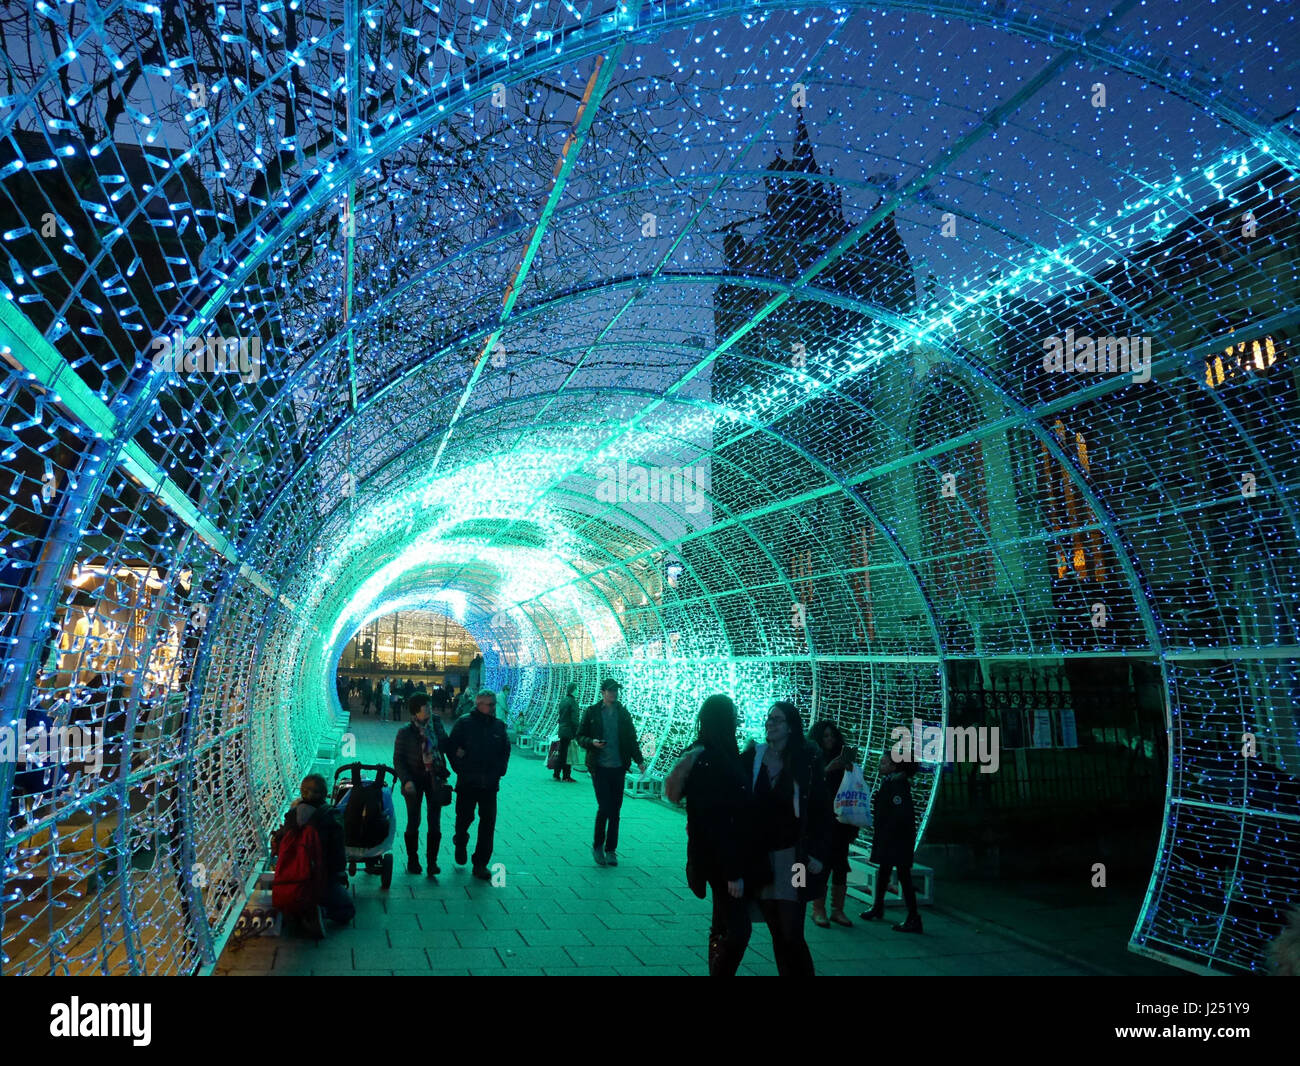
x=853 y=801
x=553 y=757
x=442 y=792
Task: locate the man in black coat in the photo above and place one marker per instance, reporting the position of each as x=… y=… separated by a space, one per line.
x=419 y=751
x=480 y=752
x=608 y=736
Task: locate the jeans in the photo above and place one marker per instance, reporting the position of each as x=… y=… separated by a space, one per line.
x=467 y=798
x=608 y=782
x=337 y=902
x=729 y=931
x=423 y=793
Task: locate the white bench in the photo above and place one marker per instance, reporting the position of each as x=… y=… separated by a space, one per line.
x=862 y=881
x=651 y=787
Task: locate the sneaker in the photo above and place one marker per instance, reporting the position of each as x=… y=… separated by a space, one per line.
x=462 y=855
x=413 y=866
x=598 y=853
x=611 y=859
x=481 y=872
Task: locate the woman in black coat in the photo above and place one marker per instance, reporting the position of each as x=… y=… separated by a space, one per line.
x=792 y=817
x=839 y=759
x=894 y=838
x=710 y=778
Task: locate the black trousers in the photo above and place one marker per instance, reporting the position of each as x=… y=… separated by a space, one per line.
x=468 y=797
x=423 y=794
x=904 y=884
x=785 y=919
x=729 y=931
x=608 y=782
x=564 y=766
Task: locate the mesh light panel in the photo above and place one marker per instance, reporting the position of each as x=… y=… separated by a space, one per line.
x=713 y=346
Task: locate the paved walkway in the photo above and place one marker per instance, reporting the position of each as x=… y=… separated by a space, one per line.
x=560 y=914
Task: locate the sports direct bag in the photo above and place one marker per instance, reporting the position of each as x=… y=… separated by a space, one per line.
x=299 y=871
x=853 y=801
x=553 y=758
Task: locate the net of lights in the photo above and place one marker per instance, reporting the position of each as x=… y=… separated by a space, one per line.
x=807 y=252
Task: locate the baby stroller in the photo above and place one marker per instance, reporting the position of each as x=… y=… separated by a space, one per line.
x=369 y=824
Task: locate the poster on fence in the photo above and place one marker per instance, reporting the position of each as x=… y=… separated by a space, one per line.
x=1043 y=729
x=1069 y=735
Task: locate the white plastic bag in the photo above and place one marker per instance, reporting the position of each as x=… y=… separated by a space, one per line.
x=853 y=801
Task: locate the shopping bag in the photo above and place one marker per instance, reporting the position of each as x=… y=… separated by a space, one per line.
x=853 y=801
x=553 y=758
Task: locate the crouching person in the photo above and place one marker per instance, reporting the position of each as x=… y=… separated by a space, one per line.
x=310 y=863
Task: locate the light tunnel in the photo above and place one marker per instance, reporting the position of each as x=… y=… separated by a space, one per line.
x=708 y=346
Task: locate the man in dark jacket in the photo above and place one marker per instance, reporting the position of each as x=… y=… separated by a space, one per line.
x=566 y=730
x=312 y=809
x=609 y=739
x=480 y=752
x=419 y=752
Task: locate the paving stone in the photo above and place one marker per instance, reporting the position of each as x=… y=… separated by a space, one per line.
x=391 y=959
x=606 y=957
x=561 y=915
x=490 y=938
x=469 y=958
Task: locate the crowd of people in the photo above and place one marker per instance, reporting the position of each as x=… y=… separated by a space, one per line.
x=763 y=840
x=386 y=698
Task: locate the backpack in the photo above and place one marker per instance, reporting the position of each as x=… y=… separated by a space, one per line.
x=299 y=882
x=364 y=822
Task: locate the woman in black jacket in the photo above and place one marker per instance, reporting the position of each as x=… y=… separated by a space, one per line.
x=566 y=729
x=839 y=758
x=710 y=779
x=893 y=839
x=792 y=833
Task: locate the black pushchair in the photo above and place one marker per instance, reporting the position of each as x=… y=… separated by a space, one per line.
x=369 y=821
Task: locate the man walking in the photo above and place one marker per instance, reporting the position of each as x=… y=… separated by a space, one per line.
x=609 y=739
x=480 y=752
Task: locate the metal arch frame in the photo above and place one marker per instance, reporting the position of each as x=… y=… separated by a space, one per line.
x=333 y=174
x=1003 y=23
x=906 y=327
x=1245 y=436
x=902 y=555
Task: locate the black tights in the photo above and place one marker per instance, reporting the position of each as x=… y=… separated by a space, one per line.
x=784 y=920
x=729 y=931
x=904 y=883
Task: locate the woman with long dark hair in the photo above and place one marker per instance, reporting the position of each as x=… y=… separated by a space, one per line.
x=894 y=838
x=839 y=757
x=792 y=832
x=710 y=779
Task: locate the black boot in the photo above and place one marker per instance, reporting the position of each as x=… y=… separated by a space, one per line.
x=912 y=924
x=876 y=912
